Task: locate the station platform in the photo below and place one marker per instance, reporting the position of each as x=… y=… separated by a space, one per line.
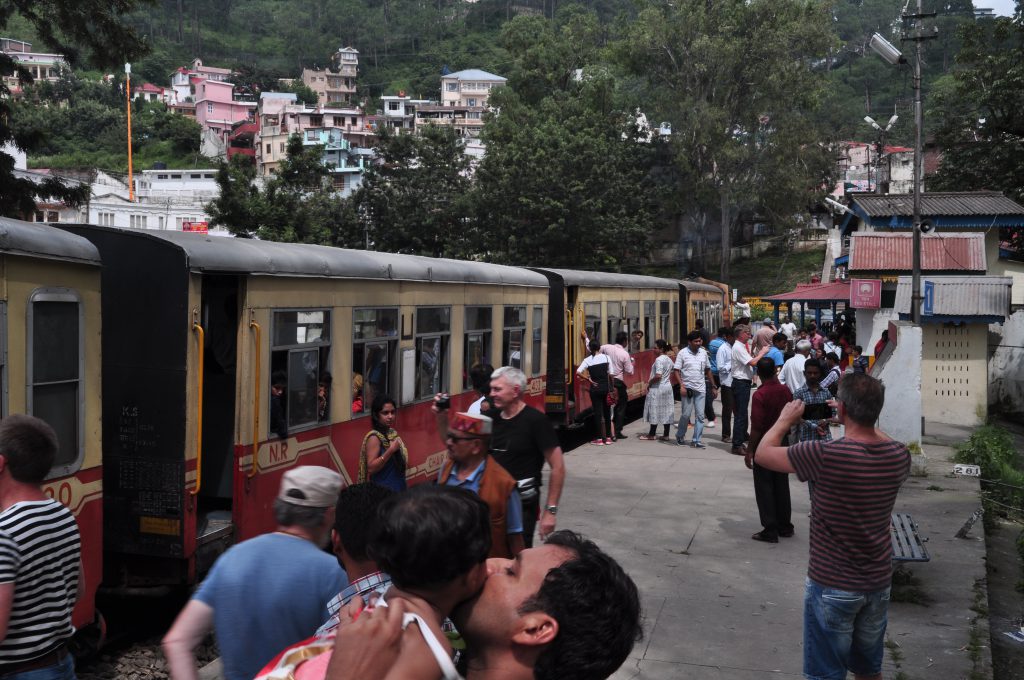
x=719 y=605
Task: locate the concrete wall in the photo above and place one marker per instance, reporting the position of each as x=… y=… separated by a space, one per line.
x=900 y=369
x=1006 y=369
x=954 y=374
x=870 y=324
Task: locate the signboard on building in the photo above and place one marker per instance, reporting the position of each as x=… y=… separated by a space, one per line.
x=197 y=227
x=929 y=298
x=866 y=293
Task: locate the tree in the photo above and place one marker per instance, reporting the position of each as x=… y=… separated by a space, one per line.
x=415 y=198
x=296 y=205
x=82 y=30
x=981 y=128
x=736 y=80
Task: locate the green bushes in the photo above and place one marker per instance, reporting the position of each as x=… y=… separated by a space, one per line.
x=992 y=449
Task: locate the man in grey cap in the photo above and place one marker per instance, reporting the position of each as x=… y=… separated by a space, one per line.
x=269 y=592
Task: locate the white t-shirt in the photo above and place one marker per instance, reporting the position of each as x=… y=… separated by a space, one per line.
x=474 y=408
x=792 y=374
x=789 y=328
x=693 y=368
x=741 y=368
x=724 y=361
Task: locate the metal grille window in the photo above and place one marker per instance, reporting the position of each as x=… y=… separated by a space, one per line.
x=538 y=330
x=665 y=323
x=56 y=365
x=650 y=324
x=433 y=329
x=512 y=337
x=300 y=355
x=374 y=343
x=477 y=344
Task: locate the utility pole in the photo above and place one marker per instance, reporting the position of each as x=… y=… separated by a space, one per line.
x=128 y=95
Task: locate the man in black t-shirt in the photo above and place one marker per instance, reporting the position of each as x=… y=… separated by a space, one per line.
x=522 y=441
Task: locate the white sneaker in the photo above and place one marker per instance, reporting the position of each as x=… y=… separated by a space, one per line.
x=710 y=423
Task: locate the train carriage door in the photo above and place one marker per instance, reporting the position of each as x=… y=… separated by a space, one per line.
x=219 y=318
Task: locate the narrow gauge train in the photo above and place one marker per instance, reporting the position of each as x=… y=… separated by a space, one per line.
x=171 y=430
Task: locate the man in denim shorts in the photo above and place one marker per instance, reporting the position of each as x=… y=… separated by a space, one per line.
x=856 y=480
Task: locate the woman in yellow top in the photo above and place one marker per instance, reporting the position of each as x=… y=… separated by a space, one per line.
x=383 y=456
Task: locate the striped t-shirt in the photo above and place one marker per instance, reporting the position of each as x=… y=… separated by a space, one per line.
x=39 y=554
x=855 y=487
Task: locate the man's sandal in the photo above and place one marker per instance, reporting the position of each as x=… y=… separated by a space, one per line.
x=647 y=438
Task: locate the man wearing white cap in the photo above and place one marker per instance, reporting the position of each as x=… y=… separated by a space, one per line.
x=471 y=467
x=269 y=592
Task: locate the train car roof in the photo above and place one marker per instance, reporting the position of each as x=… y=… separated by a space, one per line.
x=573 y=277
x=42 y=240
x=220 y=254
x=696 y=285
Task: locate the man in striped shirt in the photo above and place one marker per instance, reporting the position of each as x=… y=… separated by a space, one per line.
x=856 y=480
x=40 y=557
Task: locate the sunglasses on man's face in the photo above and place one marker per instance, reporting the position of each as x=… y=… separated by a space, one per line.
x=457 y=438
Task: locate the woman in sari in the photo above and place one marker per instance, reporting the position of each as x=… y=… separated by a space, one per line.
x=383 y=456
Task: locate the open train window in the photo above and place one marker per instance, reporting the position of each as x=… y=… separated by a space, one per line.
x=477 y=344
x=650 y=324
x=632 y=323
x=614 y=320
x=512 y=336
x=433 y=330
x=538 y=330
x=56 y=363
x=374 y=343
x=675 y=312
x=299 y=357
x=592 y=318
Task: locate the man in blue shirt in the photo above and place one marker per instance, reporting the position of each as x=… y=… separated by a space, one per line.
x=709 y=404
x=777 y=352
x=269 y=592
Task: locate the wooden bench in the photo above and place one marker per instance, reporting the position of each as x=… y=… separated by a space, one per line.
x=907 y=544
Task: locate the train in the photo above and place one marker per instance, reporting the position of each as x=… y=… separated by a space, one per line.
x=151 y=353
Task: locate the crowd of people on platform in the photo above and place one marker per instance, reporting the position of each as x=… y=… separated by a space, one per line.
x=444 y=581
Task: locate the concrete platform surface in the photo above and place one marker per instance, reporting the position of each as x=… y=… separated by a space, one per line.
x=719 y=605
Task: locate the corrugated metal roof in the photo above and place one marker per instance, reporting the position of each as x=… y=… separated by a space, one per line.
x=474 y=74
x=837 y=291
x=961 y=296
x=42 y=240
x=964 y=203
x=939 y=252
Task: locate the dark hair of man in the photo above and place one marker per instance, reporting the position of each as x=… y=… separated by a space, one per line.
x=661 y=345
x=595 y=346
x=379 y=402
x=833 y=357
x=765 y=368
x=480 y=378
x=29 y=446
x=693 y=335
x=621 y=338
x=863 y=397
x=779 y=337
x=699 y=323
x=430 y=535
x=288 y=515
x=814 y=363
x=597 y=608
x=355 y=514
x=279 y=378
x=858 y=349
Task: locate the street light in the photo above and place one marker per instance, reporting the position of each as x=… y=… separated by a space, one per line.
x=886 y=50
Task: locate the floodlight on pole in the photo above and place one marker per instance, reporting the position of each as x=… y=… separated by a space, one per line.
x=871 y=121
x=886 y=50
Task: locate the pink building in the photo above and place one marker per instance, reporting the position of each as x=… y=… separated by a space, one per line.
x=217 y=108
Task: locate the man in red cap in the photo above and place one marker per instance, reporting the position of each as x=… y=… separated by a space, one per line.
x=471 y=467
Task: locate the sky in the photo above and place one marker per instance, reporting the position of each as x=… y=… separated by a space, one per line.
x=1003 y=8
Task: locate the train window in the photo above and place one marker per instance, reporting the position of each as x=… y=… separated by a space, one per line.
x=3 y=358
x=301 y=352
x=592 y=318
x=675 y=312
x=433 y=325
x=56 y=363
x=665 y=324
x=632 y=324
x=614 y=320
x=512 y=338
x=374 y=343
x=538 y=330
x=650 y=324
x=477 y=344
